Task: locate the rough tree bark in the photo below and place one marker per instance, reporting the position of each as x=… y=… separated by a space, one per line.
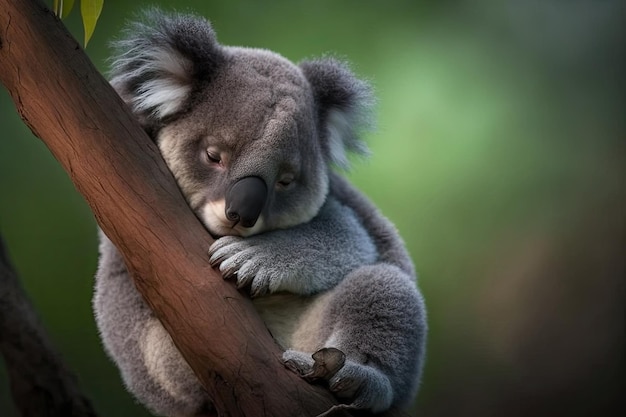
x=114 y=165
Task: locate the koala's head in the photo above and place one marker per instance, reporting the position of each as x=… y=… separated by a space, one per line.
x=249 y=136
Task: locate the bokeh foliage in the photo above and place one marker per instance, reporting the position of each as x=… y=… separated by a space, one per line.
x=499 y=155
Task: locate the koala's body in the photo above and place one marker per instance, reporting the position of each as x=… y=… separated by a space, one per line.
x=251 y=139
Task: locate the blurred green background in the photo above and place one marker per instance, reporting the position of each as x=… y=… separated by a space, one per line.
x=499 y=155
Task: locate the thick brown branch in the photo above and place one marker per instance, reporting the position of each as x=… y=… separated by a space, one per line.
x=112 y=162
x=41 y=383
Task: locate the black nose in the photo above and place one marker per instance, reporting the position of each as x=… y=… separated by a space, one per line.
x=245 y=201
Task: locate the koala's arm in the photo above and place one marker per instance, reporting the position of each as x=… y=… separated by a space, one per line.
x=389 y=245
x=305 y=259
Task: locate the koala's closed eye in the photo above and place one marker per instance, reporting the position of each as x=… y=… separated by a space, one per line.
x=286 y=181
x=213 y=156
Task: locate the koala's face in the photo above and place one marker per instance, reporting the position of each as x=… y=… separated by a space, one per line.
x=247 y=155
x=248 y=135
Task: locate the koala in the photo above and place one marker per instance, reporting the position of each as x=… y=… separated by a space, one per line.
x=255 y=143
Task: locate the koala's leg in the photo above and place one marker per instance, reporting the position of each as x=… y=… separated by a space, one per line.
x=373 y=330
x=152 y=368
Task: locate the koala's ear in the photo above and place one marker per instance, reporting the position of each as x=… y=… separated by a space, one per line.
x=160 y=59
x=344 y=105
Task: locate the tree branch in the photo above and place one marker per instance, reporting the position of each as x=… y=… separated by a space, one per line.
x=112 y=162
x=41 y=383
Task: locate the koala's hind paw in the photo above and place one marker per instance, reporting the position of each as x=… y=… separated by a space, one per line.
x=322 y=365
x=363 y=386
x=327 y=362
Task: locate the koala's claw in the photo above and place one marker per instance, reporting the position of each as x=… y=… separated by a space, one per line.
x=361 y=385
x=258 y=292
x=244 y=277
x=219 y=250
x=251 y=263
x=215 y=258
x=327 y=362
x=229 y=273
x=322 y=365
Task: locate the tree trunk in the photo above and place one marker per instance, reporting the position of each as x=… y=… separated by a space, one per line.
x=63 y=99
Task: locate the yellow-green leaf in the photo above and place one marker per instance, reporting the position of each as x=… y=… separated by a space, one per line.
x=62 y=7
x=90 y=10
x=66 y=7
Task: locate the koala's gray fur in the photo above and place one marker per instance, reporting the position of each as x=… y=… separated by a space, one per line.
x=251 y=139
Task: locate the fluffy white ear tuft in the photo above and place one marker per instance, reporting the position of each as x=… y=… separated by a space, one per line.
x=160 y=60
x=165 y=92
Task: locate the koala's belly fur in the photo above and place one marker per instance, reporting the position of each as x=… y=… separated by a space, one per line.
x=294 y=321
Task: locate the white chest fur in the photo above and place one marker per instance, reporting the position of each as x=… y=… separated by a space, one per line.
x=293 y=320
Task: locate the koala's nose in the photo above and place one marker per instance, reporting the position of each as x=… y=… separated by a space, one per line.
x=245 y=201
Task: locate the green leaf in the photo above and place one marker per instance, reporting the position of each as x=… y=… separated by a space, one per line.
x=66 y=7
x=62 y=7
x=90 y=10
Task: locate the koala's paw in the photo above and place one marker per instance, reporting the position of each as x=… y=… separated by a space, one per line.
x=323 y=364
x=248 y=262
x=363 y=386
